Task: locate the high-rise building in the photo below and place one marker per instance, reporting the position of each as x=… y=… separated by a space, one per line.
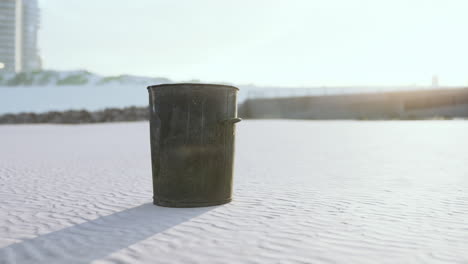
x=19 y=23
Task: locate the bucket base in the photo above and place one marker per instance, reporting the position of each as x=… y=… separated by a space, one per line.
x=188 y=204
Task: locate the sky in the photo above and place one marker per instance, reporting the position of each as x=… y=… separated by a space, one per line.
x=271 y=42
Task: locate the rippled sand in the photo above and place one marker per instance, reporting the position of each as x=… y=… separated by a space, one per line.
x=305 y=192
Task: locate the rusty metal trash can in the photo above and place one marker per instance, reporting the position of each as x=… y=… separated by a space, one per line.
x=192 y=130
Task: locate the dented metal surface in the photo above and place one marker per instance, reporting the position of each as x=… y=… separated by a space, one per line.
x=192 y=131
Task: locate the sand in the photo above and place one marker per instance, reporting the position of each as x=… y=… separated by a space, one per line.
x=305 y=192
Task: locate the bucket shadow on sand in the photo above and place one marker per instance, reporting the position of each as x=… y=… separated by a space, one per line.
x=98 y=238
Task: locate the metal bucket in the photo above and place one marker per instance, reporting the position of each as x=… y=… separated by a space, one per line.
x=192 y=129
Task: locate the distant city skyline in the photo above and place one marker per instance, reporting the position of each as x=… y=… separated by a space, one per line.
x=19 y=23
x=280 y=43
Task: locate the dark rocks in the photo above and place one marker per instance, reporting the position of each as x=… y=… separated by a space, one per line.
x=78 y=116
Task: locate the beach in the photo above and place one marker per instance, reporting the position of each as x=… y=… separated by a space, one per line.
x=304 y=192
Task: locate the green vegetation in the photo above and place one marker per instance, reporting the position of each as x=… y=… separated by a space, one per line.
x=42 y=78
x=22 y=78
x=79 y=78
x=45 y=78
x=109 y=79
x=27 y=78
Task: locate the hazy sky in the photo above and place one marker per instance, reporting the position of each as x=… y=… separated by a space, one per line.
x=289 y=42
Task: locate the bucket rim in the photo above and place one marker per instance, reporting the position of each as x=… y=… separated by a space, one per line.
x=211 y=85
